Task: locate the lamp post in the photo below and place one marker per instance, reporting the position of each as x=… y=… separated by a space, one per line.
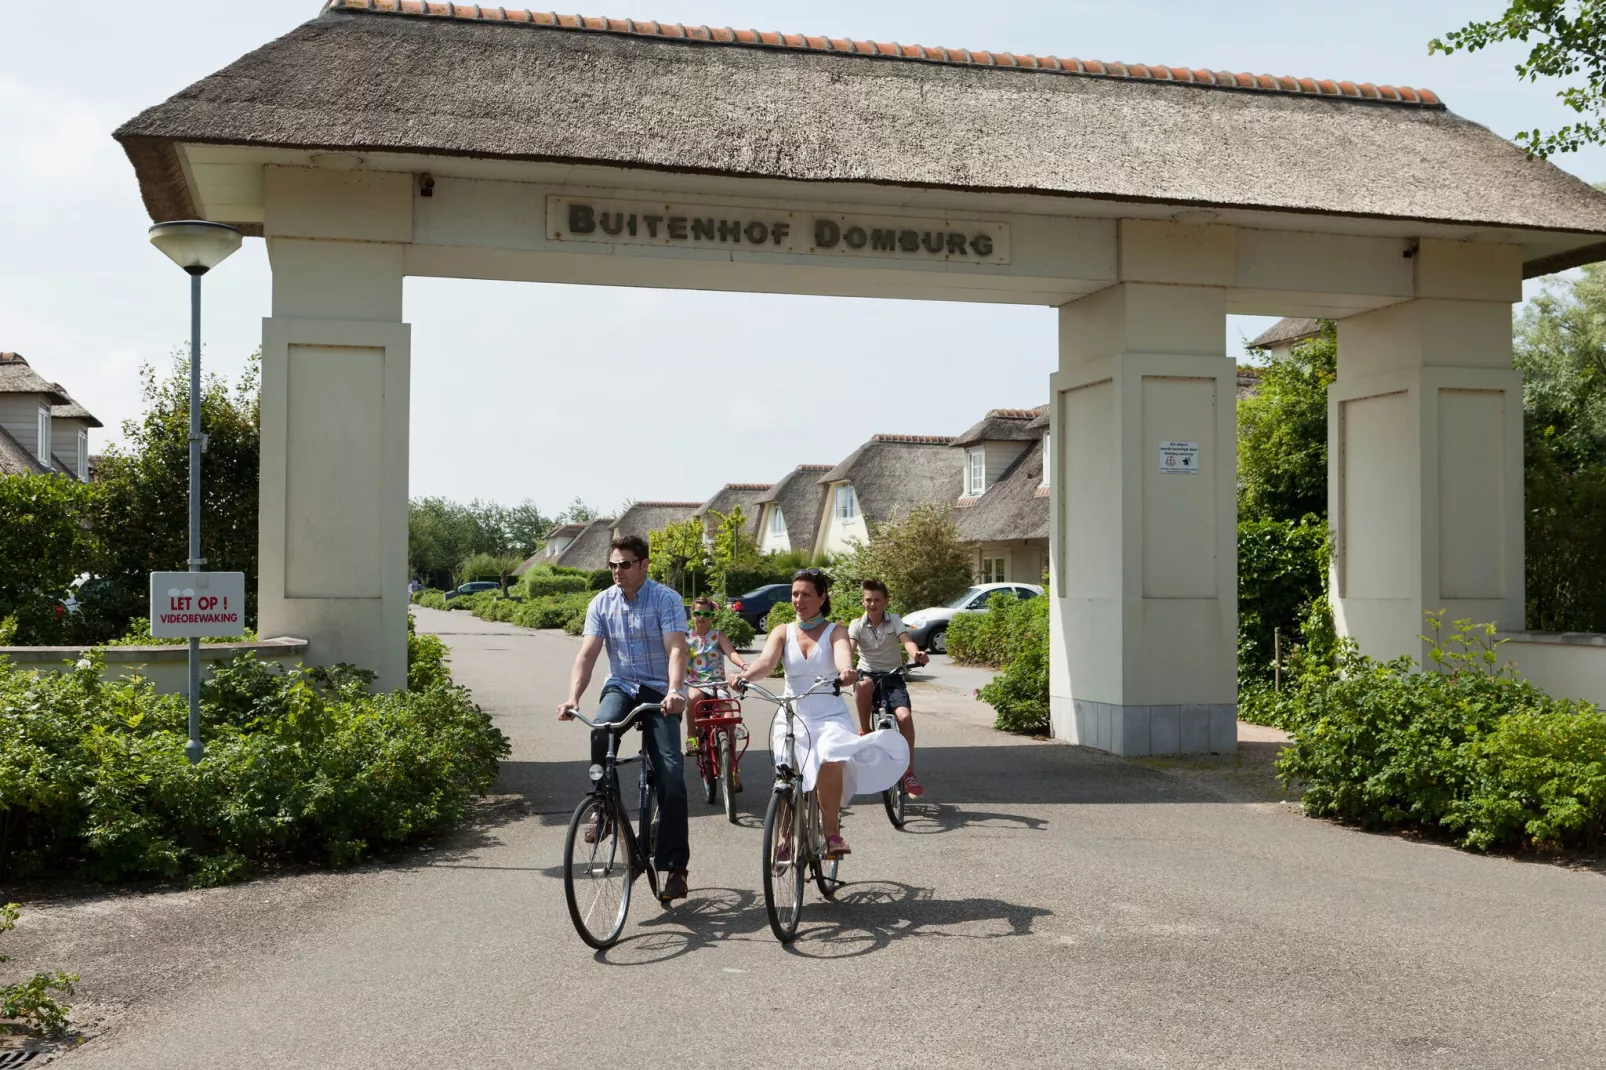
x=196 y=246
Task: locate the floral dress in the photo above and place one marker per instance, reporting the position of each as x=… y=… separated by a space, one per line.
x=707 y=659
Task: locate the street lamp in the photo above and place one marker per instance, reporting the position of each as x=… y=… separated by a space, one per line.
x=196 y=246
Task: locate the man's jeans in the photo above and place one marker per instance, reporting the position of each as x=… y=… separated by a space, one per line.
x=662 y=741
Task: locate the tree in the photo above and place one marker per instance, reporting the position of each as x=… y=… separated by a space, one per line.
x=139 y=513
x=525 y=528
x=678 y=554
x=43 y=548
x=1568 y=41
x=578 y=512
x=442 y=535
x=1282 y=434
x=920 y=558
x=484 y=566
x=733 y=548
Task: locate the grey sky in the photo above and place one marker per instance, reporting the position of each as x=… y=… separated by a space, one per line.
x=517 y=388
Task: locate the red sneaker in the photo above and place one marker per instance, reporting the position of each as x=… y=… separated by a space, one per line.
x=913 y=786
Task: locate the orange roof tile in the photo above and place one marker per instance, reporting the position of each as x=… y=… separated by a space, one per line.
x=918 y=440
x=918 y=53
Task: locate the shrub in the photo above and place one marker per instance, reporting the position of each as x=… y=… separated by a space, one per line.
x=574 y=625
x=599 y=579
x=991 y=637
x=780 y=613
x=540 y=585
x=737 y=630
x=303 y=764
x=431 y=599
x=1468 y=750
x=139 y=634
x=1019 y=693
x=920 y=557
x=426 y=661
x=552 y=611
x=1282 y=572
x=43 y=546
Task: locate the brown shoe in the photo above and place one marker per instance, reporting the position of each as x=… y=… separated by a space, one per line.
x=674 y=886
x=593 y=831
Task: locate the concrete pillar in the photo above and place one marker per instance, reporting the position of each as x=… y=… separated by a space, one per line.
x=1144 y=610
x=1425 y=469
x=335 y=371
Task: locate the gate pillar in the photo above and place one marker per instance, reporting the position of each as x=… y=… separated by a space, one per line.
x=1144 y=603
x=333 y=521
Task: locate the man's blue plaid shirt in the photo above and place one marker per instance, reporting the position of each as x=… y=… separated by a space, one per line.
x=634 y=633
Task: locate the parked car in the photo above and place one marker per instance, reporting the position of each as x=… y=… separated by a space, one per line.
x=929 y=627
x=755 y=605
x=474 y=587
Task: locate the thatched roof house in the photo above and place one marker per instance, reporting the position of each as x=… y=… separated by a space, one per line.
x=42 y=429
x=643 y=518
x=473 y=80
x=1013 y=508
x=1286 y=333
x=731 y=495
x=589 y=550
x=882 y=480
x=789 y=512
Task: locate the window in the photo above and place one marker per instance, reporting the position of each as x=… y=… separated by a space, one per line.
x=845 y=506
x=83 y=455
x=992 y=570
x=975 y=470
x=1048 y=451
x=777 y=522
x=43 y=452
x=1023 y=593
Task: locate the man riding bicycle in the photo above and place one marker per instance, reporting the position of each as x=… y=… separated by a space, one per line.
x=642 y=624
x=877 y=637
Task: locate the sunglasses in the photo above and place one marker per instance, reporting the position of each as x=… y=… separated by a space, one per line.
x=621 y=566
x=702 y=612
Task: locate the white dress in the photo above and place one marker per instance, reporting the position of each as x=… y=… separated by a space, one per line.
x=825 y=732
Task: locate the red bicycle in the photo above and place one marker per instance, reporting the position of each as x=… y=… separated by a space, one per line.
x=721 y=742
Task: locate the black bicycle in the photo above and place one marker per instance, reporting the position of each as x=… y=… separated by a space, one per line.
x=598 y=875
x=896 y=797
x=794 y=834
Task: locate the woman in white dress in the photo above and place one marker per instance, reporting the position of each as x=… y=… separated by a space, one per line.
x=830 y=748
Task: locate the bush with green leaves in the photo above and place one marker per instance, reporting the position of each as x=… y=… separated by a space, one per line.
x=43 y=546
x=1282 y=574
x=920 y=558
x=139 y=634
x=30 y=1003
x=552 y=611
x=991 y=637
x=302 y=764
x=542 y=584
x=430 y=599
x=426 y=660
x=599 y=579
x=1466 y=749
x=737 y=630
x=1019 y=693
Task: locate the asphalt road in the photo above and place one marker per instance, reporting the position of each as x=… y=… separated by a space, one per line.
x=1048 y=906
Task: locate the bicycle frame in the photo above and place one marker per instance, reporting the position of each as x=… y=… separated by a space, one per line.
x=638 y=840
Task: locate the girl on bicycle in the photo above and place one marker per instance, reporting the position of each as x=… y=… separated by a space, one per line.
x=707 y=648
x=831 y=751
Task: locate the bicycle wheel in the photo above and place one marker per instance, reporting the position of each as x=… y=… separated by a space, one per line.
x=597 y=876
x=893 y=799
x=708 y=765
x=783 y=870
x=726 y=750
x=824 y=870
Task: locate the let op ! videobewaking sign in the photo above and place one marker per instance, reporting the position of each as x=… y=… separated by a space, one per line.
x=194 y=605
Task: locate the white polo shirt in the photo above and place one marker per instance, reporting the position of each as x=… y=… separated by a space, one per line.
x=879 y=648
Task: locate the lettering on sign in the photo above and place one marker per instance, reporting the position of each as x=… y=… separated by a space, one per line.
x=1179 y=458
x=188 y=605
x=703 y=226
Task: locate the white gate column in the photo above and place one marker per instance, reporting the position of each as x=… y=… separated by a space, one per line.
x=1425 y=470
x=1144 y=610
x=335 y=367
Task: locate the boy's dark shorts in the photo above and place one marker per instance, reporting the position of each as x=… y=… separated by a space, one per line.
x=893 y=690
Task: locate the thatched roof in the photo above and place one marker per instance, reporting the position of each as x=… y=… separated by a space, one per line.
x=1015 y=507
x=891 y=474
x=16 y=461
x=642 y=518
x=798 y=495
x=1040 y=421
x=1287 y=331
x=16 y=377
x=746 y=495
x=72 y=410
x=477 y=81
x=589 y=548
x=1248 y=382
x=564 y=531
x=1003 y=425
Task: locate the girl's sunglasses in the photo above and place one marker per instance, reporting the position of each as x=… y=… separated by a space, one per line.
x=702 y=612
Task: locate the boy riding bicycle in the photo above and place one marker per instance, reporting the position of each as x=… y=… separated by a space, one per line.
x=880 y=639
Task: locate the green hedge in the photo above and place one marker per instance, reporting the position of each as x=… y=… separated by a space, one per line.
x=430 y=599
x=737 y=630
x=991 y=637
x=1282 y=572
x=599 y=579
x=1470 y=750
x=541 y=585
x=553 y=611
x=1019 y=693
x=305 y=764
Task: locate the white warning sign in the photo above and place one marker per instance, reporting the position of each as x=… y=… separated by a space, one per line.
x=1179 y=458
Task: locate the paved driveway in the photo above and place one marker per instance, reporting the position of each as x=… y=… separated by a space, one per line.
x=1048 y=906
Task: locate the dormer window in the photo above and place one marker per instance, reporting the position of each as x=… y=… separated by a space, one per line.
x=42 y=448
x=975 y=470
x=845 y=507
x=1048 y=452
x=777 y=522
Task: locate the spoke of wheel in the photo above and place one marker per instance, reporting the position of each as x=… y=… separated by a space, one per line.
x=597 y=878
x=783 y=876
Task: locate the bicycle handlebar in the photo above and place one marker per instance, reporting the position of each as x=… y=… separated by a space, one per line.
x=621 y=726
x=743 y=686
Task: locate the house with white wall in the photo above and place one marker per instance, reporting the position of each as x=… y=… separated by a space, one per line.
x=1002 y=514
x=553 y=544
x=883 y=480
x=42 y=429
x=789 y=511
x=588 y=549
x=1280 y=338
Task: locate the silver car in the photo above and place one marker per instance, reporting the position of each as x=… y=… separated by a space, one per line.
x=929 y=627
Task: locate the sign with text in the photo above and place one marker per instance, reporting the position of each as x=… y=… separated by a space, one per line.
x=188 y=605
x=768 y=230
x=1179 y=458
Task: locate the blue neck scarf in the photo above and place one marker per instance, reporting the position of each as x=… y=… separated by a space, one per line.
x=812 y=623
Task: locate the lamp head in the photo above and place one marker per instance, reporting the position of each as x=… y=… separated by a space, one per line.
x=195 y=245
